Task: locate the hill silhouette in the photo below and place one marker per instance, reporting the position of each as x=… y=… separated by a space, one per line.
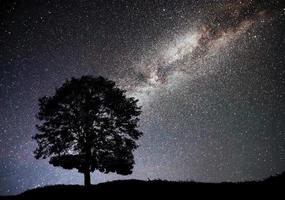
x=132 y=189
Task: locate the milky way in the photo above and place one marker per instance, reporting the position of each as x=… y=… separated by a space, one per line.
x=230 y=21
x=209 y=74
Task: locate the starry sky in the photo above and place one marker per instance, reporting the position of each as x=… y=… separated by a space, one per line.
x=209 y=74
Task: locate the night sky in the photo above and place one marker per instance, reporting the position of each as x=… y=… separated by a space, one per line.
x=210 y=76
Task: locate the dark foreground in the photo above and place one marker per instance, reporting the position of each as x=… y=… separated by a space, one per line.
x=137 y=189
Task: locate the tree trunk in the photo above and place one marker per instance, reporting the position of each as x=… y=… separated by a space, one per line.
x=87 y=180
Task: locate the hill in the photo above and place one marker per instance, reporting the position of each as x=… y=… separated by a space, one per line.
x=133 y=189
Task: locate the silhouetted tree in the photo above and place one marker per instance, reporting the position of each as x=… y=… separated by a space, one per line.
x=89 y=124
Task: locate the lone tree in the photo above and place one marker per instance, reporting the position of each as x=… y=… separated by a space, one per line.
x=89 y=124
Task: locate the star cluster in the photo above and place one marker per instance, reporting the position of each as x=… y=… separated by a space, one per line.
x=210 y=76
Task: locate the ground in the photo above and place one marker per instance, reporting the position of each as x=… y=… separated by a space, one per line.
x=133 y=189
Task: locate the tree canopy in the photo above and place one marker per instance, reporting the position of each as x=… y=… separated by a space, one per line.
x=88 y=124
